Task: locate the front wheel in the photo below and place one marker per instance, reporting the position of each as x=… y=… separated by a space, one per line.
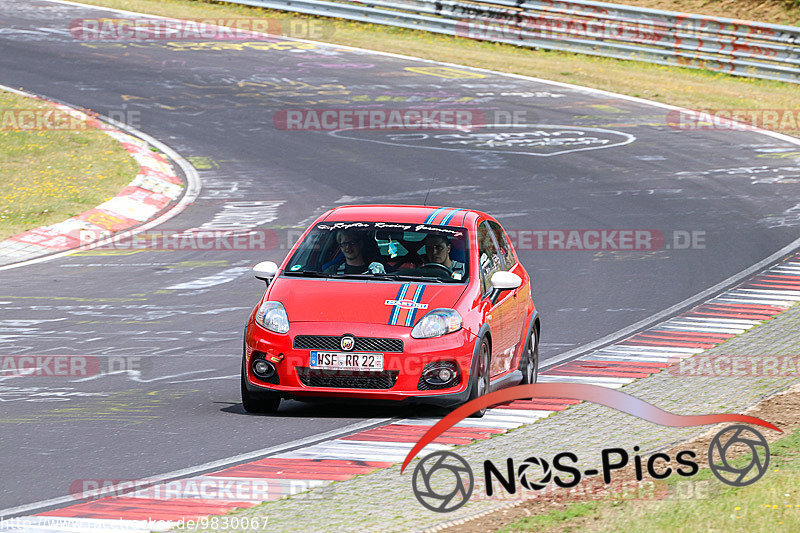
x=530 y=361
x=258 y=401
x=480 y=384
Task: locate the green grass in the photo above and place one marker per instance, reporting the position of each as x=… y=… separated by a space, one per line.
x=770 y=504
x=49 y=175
x=554 y=519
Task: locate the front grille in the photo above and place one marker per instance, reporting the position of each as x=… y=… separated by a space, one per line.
x=362 y=344
x=345 y=379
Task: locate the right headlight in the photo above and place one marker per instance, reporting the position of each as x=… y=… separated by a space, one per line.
x=437 y=323
x=272 y=316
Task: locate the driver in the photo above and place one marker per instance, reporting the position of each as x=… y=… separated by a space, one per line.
x=437 y=250
x=351 y=243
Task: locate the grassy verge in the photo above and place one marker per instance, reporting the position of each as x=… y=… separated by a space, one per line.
x=49 y=175
x=674 y=85
x=770 y=504
x=785 y=12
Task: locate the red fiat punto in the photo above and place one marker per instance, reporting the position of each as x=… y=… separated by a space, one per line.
x=397 y=303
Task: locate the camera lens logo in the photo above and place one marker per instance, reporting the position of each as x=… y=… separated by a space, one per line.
x=527 y=473
x=738 y=438
x=443 y=482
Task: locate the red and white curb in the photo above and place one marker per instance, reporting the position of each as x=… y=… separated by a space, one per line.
x=155 y=188
x=760 y=298
x=707 y=325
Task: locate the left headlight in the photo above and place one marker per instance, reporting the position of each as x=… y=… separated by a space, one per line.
x=272 y=316
x=437 y=323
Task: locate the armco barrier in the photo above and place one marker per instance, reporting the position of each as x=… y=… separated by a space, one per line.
x=742 y=48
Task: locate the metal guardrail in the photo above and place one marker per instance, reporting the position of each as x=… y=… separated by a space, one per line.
x=742 y=48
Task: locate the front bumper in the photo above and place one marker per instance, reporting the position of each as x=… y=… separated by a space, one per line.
x=399 y=382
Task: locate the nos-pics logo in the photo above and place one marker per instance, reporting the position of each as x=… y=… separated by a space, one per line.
x=443 y=481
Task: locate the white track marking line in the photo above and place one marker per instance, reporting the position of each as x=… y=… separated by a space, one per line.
x=237 y=376
x=689 y=326
x=740 y=293
x=723 y=321
x=645 y=358
x=219 y=278
x=776 y=292
x=648 y=349
x=739 y=300
x=514 y=415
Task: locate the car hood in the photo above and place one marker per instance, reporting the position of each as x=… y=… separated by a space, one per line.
x=355 y=301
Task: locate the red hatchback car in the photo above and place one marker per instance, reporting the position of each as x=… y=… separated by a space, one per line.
x=393 y=303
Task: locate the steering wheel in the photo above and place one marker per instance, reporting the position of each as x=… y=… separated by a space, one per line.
x=439 y=265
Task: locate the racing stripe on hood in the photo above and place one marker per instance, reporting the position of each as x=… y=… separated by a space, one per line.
x=417 y=299
x=401 y=293
x=404 y=307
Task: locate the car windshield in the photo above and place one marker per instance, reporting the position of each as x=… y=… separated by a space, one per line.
x=383 y=250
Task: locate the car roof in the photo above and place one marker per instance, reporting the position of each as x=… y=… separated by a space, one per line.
x=409 y=214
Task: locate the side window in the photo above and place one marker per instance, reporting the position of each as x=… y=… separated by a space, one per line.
x=505 y=248
x=489 y=256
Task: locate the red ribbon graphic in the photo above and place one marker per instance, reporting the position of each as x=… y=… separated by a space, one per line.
x=574 y=391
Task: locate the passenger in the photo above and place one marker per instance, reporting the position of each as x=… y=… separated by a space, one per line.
x=351 y=243
x=437 y=250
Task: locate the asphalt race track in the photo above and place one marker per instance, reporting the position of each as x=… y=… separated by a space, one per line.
x=176 y=316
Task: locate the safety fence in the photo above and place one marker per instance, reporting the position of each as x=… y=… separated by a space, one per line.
x=742 y=48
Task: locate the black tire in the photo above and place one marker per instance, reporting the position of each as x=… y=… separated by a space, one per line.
x=258 y=401
x=529 y=366
x=480 y=382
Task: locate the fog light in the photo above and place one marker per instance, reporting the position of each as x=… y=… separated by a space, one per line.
x=263 y=369
x=441 y=374
x=445 y=374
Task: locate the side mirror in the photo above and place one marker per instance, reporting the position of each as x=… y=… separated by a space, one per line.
x=504 y=281
x=266 y=270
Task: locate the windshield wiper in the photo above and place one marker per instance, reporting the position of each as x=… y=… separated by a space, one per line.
x=402 y=277
x=354 y=276
x=308 y=273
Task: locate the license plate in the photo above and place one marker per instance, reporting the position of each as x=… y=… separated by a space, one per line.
x=346 y=361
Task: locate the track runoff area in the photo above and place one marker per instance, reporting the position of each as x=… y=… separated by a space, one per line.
x=600 y=152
